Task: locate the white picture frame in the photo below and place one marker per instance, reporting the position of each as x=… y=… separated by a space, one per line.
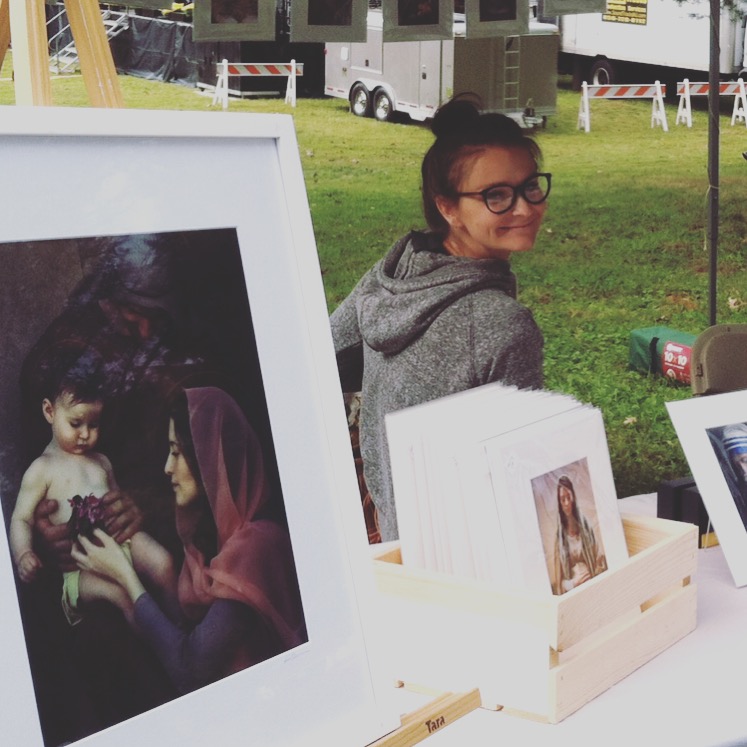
x=128 y=172
x=526 y=467
x=699 y=423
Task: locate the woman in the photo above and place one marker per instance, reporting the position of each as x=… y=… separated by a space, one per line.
x=730 y=446
x=237 y=593
x=578 y=556
x=438 y=314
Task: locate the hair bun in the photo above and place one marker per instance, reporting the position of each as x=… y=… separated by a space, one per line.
x=456 y=116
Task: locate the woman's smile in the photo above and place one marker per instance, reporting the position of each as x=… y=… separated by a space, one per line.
x=475 y=231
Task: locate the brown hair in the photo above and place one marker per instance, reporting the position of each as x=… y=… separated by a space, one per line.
x=462 y=130
x=565 y=482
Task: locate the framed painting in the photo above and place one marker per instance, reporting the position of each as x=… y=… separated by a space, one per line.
x=328 y=20
x=175 y=267
x=713 y=434
x=556 y=493
x=417 y=20
x=234 y=20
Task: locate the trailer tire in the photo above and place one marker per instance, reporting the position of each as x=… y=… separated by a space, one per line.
x=383 y=108
x=602 y=73
x=360 y=100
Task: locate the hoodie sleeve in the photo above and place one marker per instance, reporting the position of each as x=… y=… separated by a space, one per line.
x=510 y=350
x=348 y=342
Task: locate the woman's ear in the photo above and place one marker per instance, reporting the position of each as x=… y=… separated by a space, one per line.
x=48 y=411
x=448 y=209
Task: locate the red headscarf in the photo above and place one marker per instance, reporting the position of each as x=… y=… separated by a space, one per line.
x=254 y=562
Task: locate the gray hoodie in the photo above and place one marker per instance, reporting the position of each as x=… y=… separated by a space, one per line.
x=426 y=324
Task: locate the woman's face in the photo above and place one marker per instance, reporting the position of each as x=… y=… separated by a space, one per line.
x=186 y=488
x=740 y=462
x=565 y=497
x=476 y=232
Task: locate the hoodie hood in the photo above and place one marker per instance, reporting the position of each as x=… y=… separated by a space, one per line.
x=414 y=283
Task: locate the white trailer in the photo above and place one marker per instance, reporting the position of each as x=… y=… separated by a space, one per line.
x=673 y=36
x=516 y=75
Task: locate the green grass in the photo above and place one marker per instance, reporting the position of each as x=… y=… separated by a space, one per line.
x=623 y=246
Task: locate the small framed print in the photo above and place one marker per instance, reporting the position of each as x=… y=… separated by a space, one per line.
x=556 y=494
x=328 y=20
x=713 y=434
x=417 y=20
x=180 y=257
x=234 y=20
x=496 y=18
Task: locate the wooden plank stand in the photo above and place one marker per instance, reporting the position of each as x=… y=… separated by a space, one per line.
x=536 y=655
x=432 y=717
x=24 y=22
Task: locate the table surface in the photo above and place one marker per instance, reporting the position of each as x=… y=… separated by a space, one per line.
x=690 y=694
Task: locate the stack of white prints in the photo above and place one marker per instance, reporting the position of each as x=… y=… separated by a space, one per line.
x=509 y=486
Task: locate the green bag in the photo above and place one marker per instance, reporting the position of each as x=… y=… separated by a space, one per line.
x=663 y=351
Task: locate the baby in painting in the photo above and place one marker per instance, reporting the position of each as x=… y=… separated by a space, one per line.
x=70 y=472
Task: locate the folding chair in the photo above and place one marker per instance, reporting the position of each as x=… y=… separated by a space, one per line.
x=719 y=360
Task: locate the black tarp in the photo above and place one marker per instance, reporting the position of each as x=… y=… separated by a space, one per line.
x=162 y=49
x=158 y=49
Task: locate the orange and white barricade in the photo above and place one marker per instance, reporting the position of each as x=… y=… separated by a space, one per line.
x=226 y=70
x=632 y=91
x=735 y=88
x=740 y=104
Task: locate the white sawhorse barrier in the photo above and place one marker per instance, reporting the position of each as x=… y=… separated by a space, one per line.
x=735 y=88
x=632 y=91
x=228 y=69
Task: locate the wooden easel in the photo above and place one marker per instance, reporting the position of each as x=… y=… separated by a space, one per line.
x=24 y=21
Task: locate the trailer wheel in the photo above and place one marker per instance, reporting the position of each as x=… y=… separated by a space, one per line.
x=360 y=100
x=602 y=73
x=383 y=107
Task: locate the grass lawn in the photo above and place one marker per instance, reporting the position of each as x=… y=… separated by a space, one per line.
x=623 y=245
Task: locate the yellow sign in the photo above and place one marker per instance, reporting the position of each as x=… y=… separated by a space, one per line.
x=627 y=11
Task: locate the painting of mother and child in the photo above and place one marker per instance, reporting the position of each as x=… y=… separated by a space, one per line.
x=143 y=503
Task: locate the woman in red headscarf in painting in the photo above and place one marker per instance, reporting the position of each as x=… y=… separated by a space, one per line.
x=237 y=601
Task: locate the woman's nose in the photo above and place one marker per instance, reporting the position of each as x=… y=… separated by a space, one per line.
x=522 y=206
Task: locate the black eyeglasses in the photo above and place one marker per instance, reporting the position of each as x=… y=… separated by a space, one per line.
x=500 y=198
